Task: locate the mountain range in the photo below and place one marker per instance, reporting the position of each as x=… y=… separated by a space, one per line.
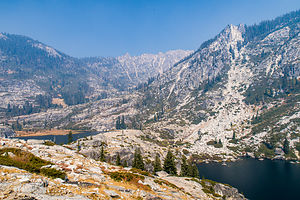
x=238 y=94
x=29 y=68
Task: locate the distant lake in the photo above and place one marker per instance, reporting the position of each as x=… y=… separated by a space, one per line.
x=60 y=139
x=257 y=180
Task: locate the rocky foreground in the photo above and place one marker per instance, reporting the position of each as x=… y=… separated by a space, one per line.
x=87 y=178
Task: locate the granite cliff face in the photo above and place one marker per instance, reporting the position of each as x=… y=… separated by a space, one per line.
x=235 y=90
x=127 y=72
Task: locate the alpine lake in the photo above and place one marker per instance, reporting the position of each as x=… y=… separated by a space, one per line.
x=256 y=179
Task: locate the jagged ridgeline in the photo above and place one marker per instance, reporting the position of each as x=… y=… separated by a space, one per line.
x=231 y=86
x=32 y=73
x=269 y=51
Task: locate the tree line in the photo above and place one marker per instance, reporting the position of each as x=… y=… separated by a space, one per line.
x=188 y=168
x=120 y=123
x=41 y=102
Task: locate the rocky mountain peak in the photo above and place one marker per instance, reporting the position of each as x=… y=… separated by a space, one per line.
x=229 y=37
x=221 y=89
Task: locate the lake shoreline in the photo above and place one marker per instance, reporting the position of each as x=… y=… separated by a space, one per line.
x=59 y=138
x=48 y=132
x=236 y=159
x=256 y=179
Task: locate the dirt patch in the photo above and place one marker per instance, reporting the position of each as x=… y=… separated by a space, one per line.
x=59 y=101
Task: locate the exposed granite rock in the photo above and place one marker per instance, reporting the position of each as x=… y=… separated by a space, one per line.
x=228 y=192
x=89 y=179
x=6 y=132
x=111 y=193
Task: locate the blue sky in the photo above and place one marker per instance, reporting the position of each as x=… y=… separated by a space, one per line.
x=113 y=27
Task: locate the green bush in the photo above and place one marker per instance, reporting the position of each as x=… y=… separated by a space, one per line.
x=215 y=144
x=125 y=176
x=49 y=143
x=53 y=173
x=208 y=187
x=29 y=162
x=233 y=141
x=263 y=149
x=212 y=142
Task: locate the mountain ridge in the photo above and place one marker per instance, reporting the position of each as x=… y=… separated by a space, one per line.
x=48 y=71
x=215 y=92
x=237 y=93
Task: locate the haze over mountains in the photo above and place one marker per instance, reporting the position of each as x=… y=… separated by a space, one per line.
x=238 y=93
x=30 y=68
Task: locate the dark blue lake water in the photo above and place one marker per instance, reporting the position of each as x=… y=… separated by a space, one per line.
x=257 y=180
x=60 y=139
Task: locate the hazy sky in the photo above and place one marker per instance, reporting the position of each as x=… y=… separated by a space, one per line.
x=113 y=27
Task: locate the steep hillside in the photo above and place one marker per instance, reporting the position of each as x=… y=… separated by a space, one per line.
x=140 y=68
x=128 y=72
x=35 y=77
x=29 y=68
x=222 y=97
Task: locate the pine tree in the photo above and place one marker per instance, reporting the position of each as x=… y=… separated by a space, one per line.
x=233 y=136
x=169 y=164
x=118 y=123
x=118 y=160
x=70 y=137
x=78 y=145
x=157 y=165
x=184 y=167
x=102 y=154
x=286 y=146
x=138 y=160
x=195 y=172
x=123 y=125
x=125 y=164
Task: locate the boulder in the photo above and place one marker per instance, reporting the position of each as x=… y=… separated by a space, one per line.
x=121 y=189
x=33 y=141
x=162 y=174
x=111 y=193
x=32 y=188
x=227 y=191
